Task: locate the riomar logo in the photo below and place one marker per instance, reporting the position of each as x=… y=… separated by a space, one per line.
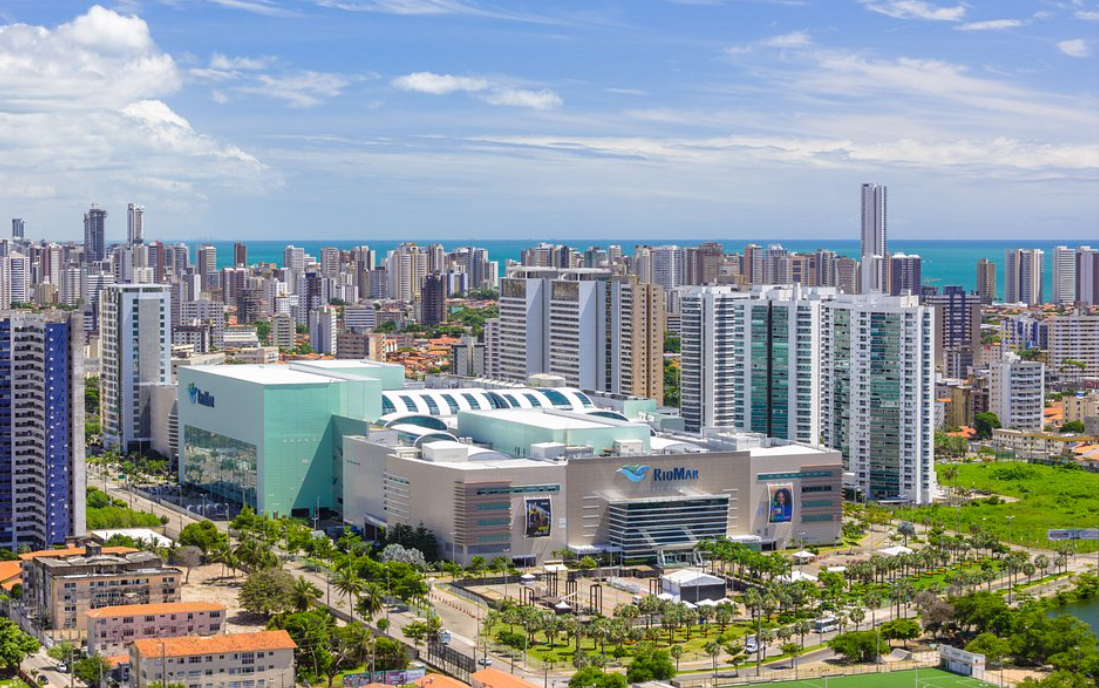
x=635 y=473
x=200 y=397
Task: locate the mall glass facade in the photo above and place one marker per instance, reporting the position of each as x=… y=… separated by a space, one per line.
x=221 y=465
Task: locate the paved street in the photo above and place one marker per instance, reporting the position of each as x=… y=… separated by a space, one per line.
x=460 y=615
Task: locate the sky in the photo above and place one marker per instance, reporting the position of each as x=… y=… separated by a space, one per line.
x=539 y=119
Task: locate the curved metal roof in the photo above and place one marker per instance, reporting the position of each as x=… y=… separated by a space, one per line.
x=449 y=402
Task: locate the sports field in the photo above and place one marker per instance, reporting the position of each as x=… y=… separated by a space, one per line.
x=928 y=678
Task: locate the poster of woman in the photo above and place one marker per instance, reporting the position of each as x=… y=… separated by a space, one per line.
x=539 y=513
x=782 y=504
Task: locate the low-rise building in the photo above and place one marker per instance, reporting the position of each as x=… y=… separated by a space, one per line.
x=264 y=659
x=1038 y=445
x=1080 y=407
x=60 y=585
x=111 y=629
x=257 y=355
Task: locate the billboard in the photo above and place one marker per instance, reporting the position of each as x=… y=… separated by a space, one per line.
x=781 y=509
x=539 y=517
x=389 y=678
x=1073 y=534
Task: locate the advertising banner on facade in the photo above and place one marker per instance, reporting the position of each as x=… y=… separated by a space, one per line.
x=782 y=503
x=539 y=517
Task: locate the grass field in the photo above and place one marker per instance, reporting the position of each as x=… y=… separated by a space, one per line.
x=927 y=678
x=1048 y=497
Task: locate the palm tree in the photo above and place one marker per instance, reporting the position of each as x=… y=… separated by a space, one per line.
x=712 y=648
x=676 y=652
x=857 y=614
x=304 y=595
x=371 y=601
x=348 y=582
x=802 y=628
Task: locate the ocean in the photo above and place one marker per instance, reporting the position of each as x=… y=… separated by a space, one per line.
x=943 y=262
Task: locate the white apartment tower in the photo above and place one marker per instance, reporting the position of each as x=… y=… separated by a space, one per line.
x=874 y=248
x=877 y=393
x=1023 y=276
x=323 y=329
x=594 y=329
x=1064 y=275
x=749 y=360
x=135 y=224
x=135 y=336
x=406 y=267
x=1017 y=392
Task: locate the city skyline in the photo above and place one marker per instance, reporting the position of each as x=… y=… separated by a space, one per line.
x=625 y=120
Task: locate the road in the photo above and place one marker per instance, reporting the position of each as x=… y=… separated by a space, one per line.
x=459 y=615
x=46 y=666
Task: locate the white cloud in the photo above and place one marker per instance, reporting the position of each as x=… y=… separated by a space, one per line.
x=990 y=25
x=299 y=89
x=1076 y=47
x=439 y=84
x=1087 y=15
x=422 y=8
x=82 y=113
x=261 y=7
x=219 y=61
x=917 y=9
x=796 y=39
x=493 y=92
x=822 y=152
x=544 y=99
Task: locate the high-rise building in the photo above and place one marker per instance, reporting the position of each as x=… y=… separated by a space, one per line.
x=904 y=275
x=18 y=228
x=848 y=273
x=41 y=429
x=324 y=329
x=1087 y=276
x=207 y=265
x=293 y=258
x=15 y=279
x=135 y=224
x=95 y=235
x=135 y=338
x=586 y=325
x=330 y=262
x=986 y=280
x=878 y=393
x=240 y=254
x=1064 y=275
x=1073 y=346
x=406 y=267
x=749 y=360
x=958 y=326
x=874 y=247
x=1023 y=276
x=703 y=263
x=1016 y=391
x=433 y=300
x=283 y=329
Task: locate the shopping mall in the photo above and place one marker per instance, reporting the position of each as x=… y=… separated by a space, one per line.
x=495 y=470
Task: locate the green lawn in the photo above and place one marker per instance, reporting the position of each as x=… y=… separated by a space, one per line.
x=927 y=678
x=1048 y=497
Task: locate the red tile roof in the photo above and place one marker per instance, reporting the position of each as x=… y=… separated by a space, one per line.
x=187 y=646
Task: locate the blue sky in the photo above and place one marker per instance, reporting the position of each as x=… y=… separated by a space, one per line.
x=618 y=119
